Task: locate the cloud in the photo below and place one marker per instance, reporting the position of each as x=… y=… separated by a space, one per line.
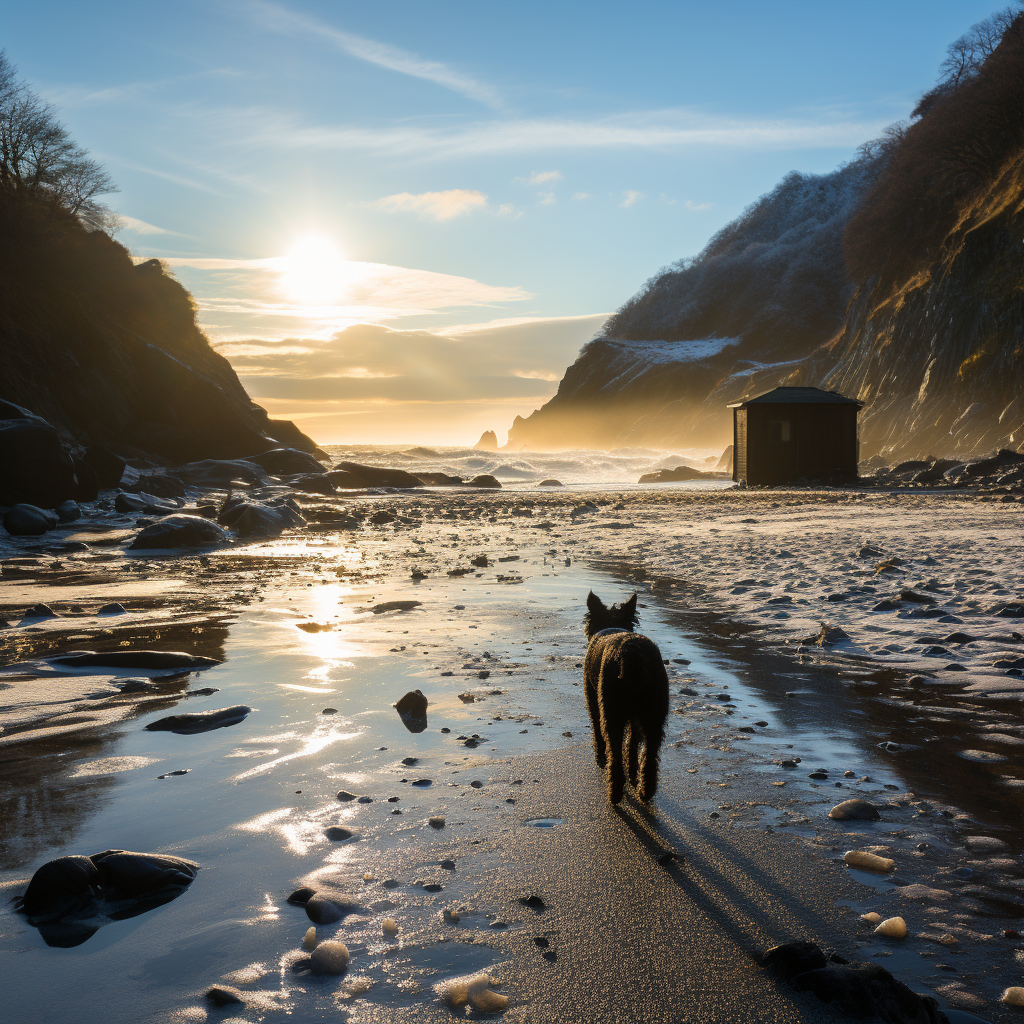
x=546 y=198
x=690 y=205
x=665 y=129
x=579 y=196
x=278 y=18
x=140 y=227
x=540 y=178
x=439 y=206
x=630 y=197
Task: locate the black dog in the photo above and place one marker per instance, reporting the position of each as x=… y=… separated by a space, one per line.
x=627 y=687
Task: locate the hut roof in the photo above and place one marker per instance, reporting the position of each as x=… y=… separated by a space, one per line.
x=797 y=396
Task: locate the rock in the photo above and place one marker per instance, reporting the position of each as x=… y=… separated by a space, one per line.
x=143 y=504
x=180 y=531
x=856 y=810
x=893 y=928
x=337 y=834
x=534 y=903
x=871 y=918
x=88 y=487
x=287 y=461
x=868 y=861
x=29 y=520
x=794 y=958
x=450 y=916
x=550 y=483
x=108 y=467
x=159 y=485
x=68 y=511
x=1013 y=996
x=345 y=796
x=985 y=844
x=301 y=896
x=674 y=476
x=200 y=721
x=351 y=475
x=395 y=606
x=324 y=911
x=413 y=711
x=410 y=761
x=437 y=821
x=34 y=468
x=438 y=480
x=161 y=661
x=224 y=995
x=330 y=957
x=475 y=990
x=485 y=480
x=312 y=483
x=389 y=926
x=251 y=518
x=221 y=472
x=40 y=611
x=61 y=886
x=488 y=442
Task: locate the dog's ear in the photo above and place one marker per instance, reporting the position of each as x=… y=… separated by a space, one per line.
x=629 y=607
x=595 y=604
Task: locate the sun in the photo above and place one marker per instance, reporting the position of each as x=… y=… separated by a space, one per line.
x=313 y=272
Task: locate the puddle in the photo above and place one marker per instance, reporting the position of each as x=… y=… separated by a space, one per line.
x=544 y=822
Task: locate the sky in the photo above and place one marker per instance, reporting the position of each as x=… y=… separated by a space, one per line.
x=402 y=220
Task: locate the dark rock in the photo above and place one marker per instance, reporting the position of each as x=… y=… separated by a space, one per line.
x=137 y=686
x=221 y=472
x=40 y=611
x=484 y=480
x=108 y=467
x=301 y=896
x=160 y=485
x=794 y=958
x=312 y=483
x=410 y=761
x=856 y=810
x=324 y=911
x=287 y=461
x=28 y=520
x=250 y=518
x=223 y=995
x=439 y=480
x=351 y=475
x=550 y=483
x=337 y=834
x=673 y=476
x=395 y=606
x=34 y=468
x=180 y=531
x=143 y=504
x=534 y=903
x=423 y=783
x=201 y=721
x=161 y=661
x=488 y=442
x=345 y=796
x=88 y=486
x=68 y=511
x=115 y=608
x=61 y=886
x=413 y=711
x=913 y=597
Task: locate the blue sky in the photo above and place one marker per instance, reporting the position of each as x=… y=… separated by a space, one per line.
x=454 y=164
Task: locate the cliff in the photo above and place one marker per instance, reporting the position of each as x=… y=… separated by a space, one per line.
x=896 y=279
x=109 y=352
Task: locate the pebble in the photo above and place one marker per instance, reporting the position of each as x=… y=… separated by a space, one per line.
x=337 y=834
x=329 y=711
x=871 y=918
x=389 y=926
x=322 y=911
x=367 y=876
x=365 y=800
x=410 y=761
x=344 y=796
x=1013 y=996
x=330 y=957
x=223 y=995
x=868 y=861
x=985 y=844
x=893 y=928
x=448 y=865
x=423 y=782
x=437 y=821
x=309 y=939
x=476 y=784
x=450 y=916
x=855 y=810
x=533 y=902
x=475 y=990
x=301 y=896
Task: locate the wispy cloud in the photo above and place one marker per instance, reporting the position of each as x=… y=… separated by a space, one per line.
x=439 y=206
x=140 y=227
x=540 y=178
x=579 y=196
x=545 y=198
x=177 y=179
x=666 y=129
x=630 y=197
x=283 y=19
x=691 y=205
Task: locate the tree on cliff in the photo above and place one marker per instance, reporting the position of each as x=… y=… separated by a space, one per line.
x=39 y=159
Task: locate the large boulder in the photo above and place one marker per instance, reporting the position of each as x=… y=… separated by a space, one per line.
x=34 y=468
x=674 y=476
x=221 y=472
x=249 y=518
x=439 y=480
x=108 y=467
x=29 y=521
x=143 y=504
x=485 y=480
x=353 y=475
x=312 y=483
x=180 y=531
x=286 y=461
x=161 y=485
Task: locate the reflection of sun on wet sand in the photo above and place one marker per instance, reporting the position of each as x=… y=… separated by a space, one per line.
x=597 y=912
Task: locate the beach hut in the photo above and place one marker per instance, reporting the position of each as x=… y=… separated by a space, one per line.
x=795 y=433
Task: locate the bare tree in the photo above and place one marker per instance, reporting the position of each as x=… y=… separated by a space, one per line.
x=966 y=54
x=38 y=156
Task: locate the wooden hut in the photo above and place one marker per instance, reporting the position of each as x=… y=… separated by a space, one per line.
x=795 y=433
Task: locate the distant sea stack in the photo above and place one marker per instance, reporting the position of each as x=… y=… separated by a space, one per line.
x=488 y=442
x=897 y=279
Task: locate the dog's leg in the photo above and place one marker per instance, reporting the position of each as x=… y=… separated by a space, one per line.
x=654 y=733
x=595 y=721
x=634 y=752
x=614 y=727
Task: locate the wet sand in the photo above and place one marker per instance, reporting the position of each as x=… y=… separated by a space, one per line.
x=759 y=860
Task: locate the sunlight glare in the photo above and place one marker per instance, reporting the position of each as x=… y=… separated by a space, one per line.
x=313 y=271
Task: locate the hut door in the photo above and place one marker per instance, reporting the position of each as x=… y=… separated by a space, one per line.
x=782 y=446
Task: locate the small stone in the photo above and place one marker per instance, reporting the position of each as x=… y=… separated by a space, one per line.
x=475 y=990
x=868 y=861
x=871 y=918
x=423 y=783
x=854 y=810
x=476 y=784
x=330 y=957
x=224 y=995
x=389 y=926
x=337 y=834
x=533 y=902
x=410 y=761
x=893 y=928
x=448 y=865
x=985 y=844
x=849 y=775
x=1013 y=996
x=365 y=800
x=329 y=711
x=302 y=896
x=437 y=821
x=450 y=916
x=345 y=796
x=367 y=876
x=309 y=939
x=818 y=775
x=323 y=911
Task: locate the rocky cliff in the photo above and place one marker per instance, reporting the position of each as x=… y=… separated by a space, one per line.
x=897 y=279
x=109 y=352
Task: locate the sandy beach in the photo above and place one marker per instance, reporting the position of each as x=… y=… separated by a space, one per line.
x=505 y=758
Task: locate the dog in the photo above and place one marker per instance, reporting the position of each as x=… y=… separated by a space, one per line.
x=627 y=689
